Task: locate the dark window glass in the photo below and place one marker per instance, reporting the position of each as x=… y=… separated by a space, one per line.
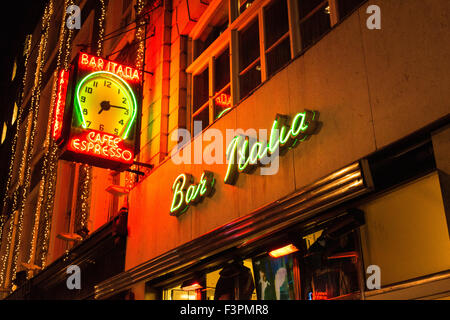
x=278 y=48
x=222 y=71
x=249 y=80
x=329 y=269
x=244 y=4
x=248 y=45
x=201 y=91
x=278 y=57
x=202 y=116
x=249 y=66
x=213 y=30
x=314 y=20
x=276 y=21
x=345 y=7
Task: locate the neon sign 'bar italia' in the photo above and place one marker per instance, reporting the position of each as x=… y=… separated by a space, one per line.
x=185 y=192
x=244 y=158
x=98 y=64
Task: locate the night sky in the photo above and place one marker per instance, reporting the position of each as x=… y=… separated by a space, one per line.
x=19 y=17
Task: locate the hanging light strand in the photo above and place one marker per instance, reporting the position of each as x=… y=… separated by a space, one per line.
x=33 y=117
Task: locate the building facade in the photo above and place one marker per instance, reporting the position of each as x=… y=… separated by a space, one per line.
x=288 y=149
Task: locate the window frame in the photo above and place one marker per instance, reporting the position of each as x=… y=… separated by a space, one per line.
x=230 y=38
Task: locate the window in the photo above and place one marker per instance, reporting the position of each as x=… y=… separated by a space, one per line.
x=215 y=27
x=315 y=20
x=249 y=59
x=246 y=50
x=222 y=94
x=244 y=5
x=218 y=284
x=5 y=129
x=200 y=105
x=346 y=7
x=277 y=43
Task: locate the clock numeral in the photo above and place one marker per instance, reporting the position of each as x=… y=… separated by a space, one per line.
x=88 y=123
x=85 y=111
x=88 y=90
x=121 y=122
x=95 y=84
x=116 y=131
x=126 y=112
x=83 y=99
x=102 y=127
x=107 y=84
x=118 y=91
x=124 y=100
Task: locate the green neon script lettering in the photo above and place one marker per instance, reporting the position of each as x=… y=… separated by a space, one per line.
x=185 y=192
x=242 y=157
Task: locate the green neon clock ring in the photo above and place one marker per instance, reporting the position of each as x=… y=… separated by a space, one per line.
x=105 y=102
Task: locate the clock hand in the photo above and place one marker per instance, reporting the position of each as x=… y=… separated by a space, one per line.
x=104 y=105
x=117 y=107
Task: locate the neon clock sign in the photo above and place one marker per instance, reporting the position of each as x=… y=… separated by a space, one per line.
x=100 y=126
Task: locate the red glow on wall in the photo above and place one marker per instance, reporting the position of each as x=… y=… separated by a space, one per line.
x=223 y=100
x=60 y=104
x=94 y=63
x=102 y=145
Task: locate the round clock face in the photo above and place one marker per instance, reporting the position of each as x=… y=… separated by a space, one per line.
x=105 y=102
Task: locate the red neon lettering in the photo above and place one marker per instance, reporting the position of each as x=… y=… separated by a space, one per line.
x=223 y=100
x=101 y=145
x=84 y=58
x=87 y=61
x=60 y=103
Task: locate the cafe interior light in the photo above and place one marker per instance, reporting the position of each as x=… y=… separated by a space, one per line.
x=191 y=284
x=290 y=248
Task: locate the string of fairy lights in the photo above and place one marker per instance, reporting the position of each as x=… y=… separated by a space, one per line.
x=4 y=217
x=48 y=169
x=27 y=151
x=41 y=224
x=64 y=53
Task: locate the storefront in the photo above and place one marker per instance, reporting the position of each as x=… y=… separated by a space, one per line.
x=386 y=209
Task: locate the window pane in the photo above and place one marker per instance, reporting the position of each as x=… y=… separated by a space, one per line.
x=279 y=56
x=244 y=4
x=216 y=26
x=249 y=80
x=203 y=116
x=306 y=6
x=276 y=21
x=248 y=45
x=201 y=91
x=315 y=25
x=222 y=71
x=347 y=6
x=222 y=102
x=330 y=269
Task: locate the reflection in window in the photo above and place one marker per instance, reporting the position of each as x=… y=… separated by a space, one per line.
x=249 y=60
x=277 y=44
x=274 y=278
x=314 y=20
x=215 y=27
x=330 y=268
x=222 y=96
